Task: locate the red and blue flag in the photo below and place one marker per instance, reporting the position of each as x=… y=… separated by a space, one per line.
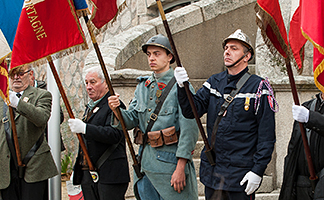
x=45 y=28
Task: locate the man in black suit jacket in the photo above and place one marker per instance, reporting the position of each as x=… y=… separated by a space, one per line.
x=100 y=136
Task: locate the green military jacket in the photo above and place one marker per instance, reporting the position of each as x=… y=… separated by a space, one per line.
x=31 y=116
x=159 y=163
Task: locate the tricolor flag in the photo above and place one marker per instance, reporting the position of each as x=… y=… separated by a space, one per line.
x=4 y=82
x=45 y=28
x=273 y=31
x=104 y=11
x=9 y=17
x=312 y=27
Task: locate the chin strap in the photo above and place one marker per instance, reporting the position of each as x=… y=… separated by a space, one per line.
x=239 y=59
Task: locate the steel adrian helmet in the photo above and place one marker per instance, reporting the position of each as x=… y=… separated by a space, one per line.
x=159 y=41
x=242 y=37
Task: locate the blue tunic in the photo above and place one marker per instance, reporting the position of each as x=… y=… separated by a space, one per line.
x=246 y=134
x=159 y=163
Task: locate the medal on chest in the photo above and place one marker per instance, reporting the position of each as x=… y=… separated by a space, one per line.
x=158 y=94
x=247 y=104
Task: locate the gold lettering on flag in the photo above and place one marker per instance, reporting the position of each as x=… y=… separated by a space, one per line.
x=35 y=23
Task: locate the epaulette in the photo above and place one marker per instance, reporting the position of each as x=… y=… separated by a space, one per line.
x=142 y=78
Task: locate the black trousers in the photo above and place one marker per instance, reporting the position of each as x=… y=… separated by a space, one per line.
x=211 y=194
x=19 y=189
x=100 y=191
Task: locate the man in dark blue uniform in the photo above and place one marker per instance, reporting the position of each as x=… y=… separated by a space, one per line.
x=245 y=137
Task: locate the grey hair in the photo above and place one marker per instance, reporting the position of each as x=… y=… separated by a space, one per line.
x=96 y=69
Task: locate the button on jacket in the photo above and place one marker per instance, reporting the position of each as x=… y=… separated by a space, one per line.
x=245 y=137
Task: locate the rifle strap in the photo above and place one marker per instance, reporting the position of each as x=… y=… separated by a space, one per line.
x=227 y=102
x=155 y=113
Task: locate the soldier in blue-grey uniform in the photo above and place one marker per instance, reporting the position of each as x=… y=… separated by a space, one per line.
x=245 y=136
x=168 y=169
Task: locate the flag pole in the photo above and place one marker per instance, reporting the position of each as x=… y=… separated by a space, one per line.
x=313 y=178
x=136 y=164
x=71 y=115
x=210 y=153
x=15 y=138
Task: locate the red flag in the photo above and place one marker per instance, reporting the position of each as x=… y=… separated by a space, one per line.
x=46 y=27
x=104 y=11
x=312 y=26
x=4 y=82
x=273 y=31
x=296 y=39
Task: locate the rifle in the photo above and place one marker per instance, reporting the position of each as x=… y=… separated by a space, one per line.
x=210 y=153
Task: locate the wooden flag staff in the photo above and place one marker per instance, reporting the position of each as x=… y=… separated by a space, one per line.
x=15 y=138
x=210 y=153
x=136 y=164
x=92 y=169
x=313 y=178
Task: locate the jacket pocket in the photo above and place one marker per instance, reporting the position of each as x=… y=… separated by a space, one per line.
x=166 y=157
x=167 y=111
x=242 y=162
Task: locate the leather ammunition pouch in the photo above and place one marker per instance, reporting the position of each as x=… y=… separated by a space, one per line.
x=138 y=135
x=170 y=135
x=155 y=138
x=165 y=136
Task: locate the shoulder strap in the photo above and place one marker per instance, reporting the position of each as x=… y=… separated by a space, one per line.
x=106 y=154
x=155 y=113
x=5 y=121
x=225 y=105
x=30 y=153
x=33 y=150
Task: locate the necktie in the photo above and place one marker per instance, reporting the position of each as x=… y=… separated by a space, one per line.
x=18 y=95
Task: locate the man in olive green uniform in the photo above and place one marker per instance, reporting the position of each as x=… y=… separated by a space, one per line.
x=32 y=108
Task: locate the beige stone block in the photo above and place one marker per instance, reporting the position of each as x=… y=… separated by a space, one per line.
x=266 y=185
x=182 y=19
x=212 y=8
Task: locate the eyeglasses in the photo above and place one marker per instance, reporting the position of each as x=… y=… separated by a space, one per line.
x=20 y=74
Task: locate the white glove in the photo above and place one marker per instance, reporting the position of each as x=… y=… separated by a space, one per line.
x=13 y=99
x=181 y=75
x=253 y=182
x=300 y=113
x=77 y=126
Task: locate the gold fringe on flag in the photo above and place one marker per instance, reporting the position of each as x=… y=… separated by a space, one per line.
x=263 y=19
x=83 y=12
x=319 y=70
x=96 y=31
